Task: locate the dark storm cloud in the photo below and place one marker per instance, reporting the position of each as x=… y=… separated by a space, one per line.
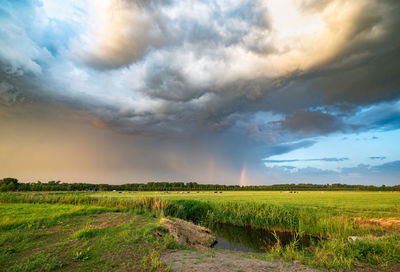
x=372 y=81
x=383 y=117
x=278 y=149
x=303 y=124
x=313 y=122
x=364 y=72
x=169 y=84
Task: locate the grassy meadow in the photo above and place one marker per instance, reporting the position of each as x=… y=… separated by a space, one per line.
x=365 y=201
x=49 y=237
x=60 y=230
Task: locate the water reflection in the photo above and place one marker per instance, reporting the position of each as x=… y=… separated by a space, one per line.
x=252 y=240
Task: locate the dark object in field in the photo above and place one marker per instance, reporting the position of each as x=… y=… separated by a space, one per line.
x=214 y=243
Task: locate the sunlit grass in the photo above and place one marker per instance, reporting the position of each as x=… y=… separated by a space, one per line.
x=362 y=201
x=78 y=238
x=23 y=215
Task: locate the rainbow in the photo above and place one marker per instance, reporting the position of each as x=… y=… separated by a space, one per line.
x=242 y=175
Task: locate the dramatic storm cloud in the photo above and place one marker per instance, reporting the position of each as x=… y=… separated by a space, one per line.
x=130 y=90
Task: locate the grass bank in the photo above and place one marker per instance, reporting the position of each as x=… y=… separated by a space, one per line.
x=49 y=237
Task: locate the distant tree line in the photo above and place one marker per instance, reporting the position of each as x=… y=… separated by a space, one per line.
x=12 y=184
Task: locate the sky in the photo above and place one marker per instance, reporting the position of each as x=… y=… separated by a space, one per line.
x=248 y=92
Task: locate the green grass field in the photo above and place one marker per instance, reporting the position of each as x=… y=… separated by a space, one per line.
x=361 y=201
x=48 y=237
x=335 y=216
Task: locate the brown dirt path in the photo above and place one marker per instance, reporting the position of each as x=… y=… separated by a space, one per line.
x=225 y=261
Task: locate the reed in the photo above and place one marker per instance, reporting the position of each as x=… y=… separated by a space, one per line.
x=244 y=213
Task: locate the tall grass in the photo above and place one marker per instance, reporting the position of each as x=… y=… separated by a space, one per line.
x=244 y=213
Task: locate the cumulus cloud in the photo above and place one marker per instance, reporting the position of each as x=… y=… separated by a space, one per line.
x=119 y=32
x=245 y=54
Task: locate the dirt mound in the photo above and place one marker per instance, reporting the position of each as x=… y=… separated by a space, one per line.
x=189 y=234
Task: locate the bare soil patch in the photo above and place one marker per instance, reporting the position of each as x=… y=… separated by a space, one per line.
x=226 y=261
x=388 y=223
x=106 y=220
x=363 y=211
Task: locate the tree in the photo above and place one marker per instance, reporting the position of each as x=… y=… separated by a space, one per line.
x=8 y=184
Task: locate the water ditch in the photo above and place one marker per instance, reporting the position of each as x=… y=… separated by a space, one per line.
x=247 y=239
